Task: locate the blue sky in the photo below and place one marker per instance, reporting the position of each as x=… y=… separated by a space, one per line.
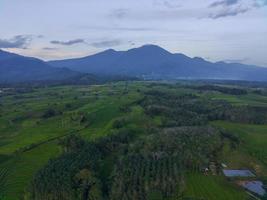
x=229 y=30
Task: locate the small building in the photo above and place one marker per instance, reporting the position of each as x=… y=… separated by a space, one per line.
x=238 y=173
x=255 y=187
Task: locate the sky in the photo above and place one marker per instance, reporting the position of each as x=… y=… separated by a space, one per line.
x=216 y=30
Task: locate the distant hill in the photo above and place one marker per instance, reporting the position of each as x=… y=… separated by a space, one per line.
x=152 y=61
x=15 y=68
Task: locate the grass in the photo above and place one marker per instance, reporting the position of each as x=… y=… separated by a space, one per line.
x=29 y=134
x=251 y=152
x=21 y=169
x=249 y=99
x=22 y=124
x=211 y=188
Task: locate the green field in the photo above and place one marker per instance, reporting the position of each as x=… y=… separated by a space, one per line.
x=21 y=168
x=30 y=132
x=252 y=151
x=211 y=188
x=249 y=99
x=22 y=126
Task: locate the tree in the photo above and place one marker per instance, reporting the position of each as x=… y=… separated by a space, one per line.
x=85 y=180
x=49 y=113
x=72 y=143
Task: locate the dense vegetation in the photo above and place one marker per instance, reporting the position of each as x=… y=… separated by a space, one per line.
x=189 y=109
x=226 y=90
x=151 y=165
x=130 y=140
x=154 y=167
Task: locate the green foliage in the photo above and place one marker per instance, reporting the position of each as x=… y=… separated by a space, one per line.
x=157 y=162
x=49 y=113
x=252 y=146
x=191 y=110
x=119 y=123
x=74 y=173
x=57 y=179
x=200 y=186
x=226 y=90
x=127 y=141
x=72 y=143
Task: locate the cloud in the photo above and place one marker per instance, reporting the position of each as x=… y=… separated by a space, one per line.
x=119 y=13
x=227 y=8
x=228 y=3
x=229 y=12
x=18 y=41
x=117 y=28
x=162 y=14
x=167 y=3
x=260 y=3
x=236 y=60
x=131 y=29
x=106 y=43
x=68 y=43
x=49 y=48
x=224 y=3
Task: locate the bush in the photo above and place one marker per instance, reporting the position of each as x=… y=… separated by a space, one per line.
x=49 y=113
x=119 y=123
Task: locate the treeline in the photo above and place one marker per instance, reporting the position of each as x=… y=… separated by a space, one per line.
x=236 y=83
x=17 y=91
x=81 y=79
x=225 y=90
x=191 y=110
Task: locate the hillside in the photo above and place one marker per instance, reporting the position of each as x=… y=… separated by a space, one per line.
x=16 y=68
x=153 y=61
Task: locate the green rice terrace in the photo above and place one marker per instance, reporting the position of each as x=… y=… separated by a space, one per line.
x=134 y=140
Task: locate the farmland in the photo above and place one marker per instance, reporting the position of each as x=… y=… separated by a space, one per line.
x=132 y=126
x=208 y=187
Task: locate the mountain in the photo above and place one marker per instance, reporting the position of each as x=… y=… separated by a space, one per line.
x=155 y=62
x=15 y=68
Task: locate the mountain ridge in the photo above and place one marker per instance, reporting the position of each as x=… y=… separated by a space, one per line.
x=15 y=68
x=154 y=61
x=148 y=61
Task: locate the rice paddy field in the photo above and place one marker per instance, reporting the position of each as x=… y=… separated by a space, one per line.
x=33 y=122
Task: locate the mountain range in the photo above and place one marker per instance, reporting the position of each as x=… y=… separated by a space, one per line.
x=148 y=61
x=15 y=68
